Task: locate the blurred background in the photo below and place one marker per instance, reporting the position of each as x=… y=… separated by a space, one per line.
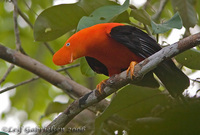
x=38 y=102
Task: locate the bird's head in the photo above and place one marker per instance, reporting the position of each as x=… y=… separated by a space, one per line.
x=75 y=47
x=64 y=55
x=71 y=50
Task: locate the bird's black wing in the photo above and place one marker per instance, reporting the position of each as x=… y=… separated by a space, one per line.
x=136 y=40
x=144 y=46
x=97 y=66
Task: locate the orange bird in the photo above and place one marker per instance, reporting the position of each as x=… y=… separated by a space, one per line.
x=111 y=48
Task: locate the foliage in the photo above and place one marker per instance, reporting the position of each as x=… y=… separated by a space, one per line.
x=174 y=22
x=140 y=110
x=188 y=59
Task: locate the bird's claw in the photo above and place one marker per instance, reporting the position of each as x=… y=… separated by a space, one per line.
x=131 y=69
x=98 y=87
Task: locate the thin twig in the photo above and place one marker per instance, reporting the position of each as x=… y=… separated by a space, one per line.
x=30 y=8
x=7 y=73
x=45 y=43
x=66 y=68
x=30 y=80
x=17 y=40
x=196 y=80
x=148 y=30
x=146 y=4
x=157 y=37
x=156 y=16
x=25 y=18
x=31 y=26
x=16 y=28
x=49 y=48
x=19 y=84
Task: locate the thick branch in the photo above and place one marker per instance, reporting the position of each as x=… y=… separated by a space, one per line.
x=119 y=80
x=70 y=87
x=29 y=80
x=41 y=70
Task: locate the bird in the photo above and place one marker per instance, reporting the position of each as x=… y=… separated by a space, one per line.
x=111 y=48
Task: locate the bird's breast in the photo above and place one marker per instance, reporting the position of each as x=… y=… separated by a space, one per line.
x=115 y=56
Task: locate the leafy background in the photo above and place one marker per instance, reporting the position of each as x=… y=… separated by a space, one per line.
x=139 y=110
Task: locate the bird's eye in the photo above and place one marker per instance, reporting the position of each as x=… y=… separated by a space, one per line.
x=68 y=44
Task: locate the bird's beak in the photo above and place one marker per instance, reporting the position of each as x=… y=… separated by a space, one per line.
x=63 y=57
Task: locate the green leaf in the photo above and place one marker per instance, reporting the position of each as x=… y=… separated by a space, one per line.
x=131 y=103
x=90 y=5
x=190 y=59
x=174 y=119
x=174 y=22
x=197 y=7
x=56 y=21
x=3 y=133
x=141 y=15
x=187 y=12
x=123 y=17
x=85 y=68
x=102 y=15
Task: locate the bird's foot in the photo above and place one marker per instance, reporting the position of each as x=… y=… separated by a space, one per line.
x=99 y=86
x=131 y=69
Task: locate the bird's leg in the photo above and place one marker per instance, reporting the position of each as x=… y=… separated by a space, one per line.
x=131 y=68
x=98 y=87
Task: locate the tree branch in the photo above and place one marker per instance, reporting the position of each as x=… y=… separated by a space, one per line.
x=29 y=80
x=16 y=29
x=31 y=26
x=68 y=86
x=119 y=80
x=18 y=11
x=156 y=16
x=7 y=73
x=19 y=84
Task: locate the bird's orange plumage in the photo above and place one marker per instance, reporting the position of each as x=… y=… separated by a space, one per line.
x=111 y=47
x=96 y=42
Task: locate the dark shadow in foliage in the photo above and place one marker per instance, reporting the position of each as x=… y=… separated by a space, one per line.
x=179 y=119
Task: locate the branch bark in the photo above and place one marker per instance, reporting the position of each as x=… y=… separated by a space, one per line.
x=68 y=86
x=44 y=72
x=29 y=80
x=117 y=81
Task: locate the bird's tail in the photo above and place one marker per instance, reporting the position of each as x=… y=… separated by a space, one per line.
x=172 y=78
